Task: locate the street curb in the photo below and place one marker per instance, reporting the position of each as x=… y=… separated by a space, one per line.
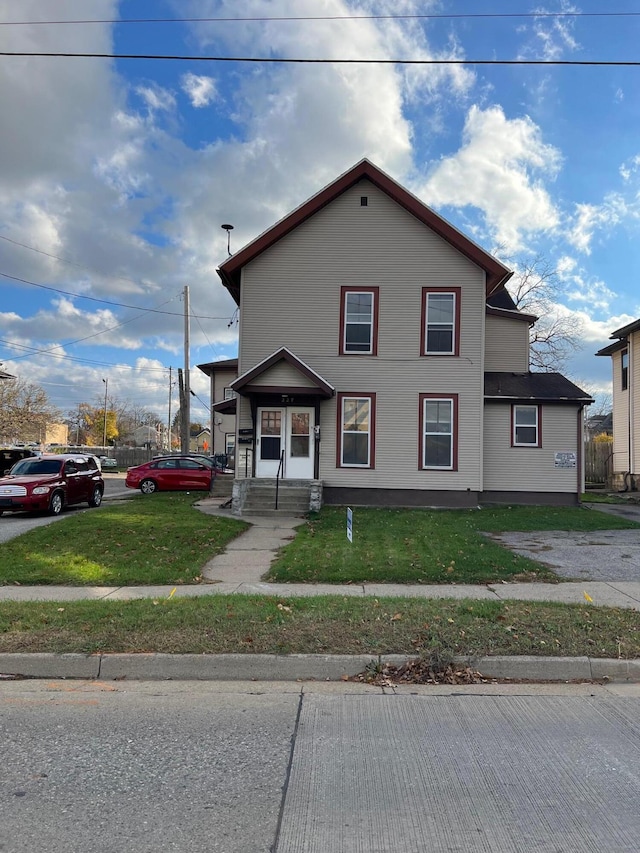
x=247 y=667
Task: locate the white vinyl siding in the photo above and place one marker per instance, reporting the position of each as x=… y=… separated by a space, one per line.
x=290 y=296
x=530 y=469
x=507 y=345
x=626 y=409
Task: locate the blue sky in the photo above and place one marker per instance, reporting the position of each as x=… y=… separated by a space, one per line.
x=116 y=175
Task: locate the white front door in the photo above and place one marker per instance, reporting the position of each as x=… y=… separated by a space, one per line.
x=289 y=431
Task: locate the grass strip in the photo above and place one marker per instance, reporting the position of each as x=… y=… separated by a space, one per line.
x=324 y=625
x=425 y=546
x=155 y=539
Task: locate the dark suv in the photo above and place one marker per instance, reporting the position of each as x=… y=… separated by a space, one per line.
x=10 y=455
x=48 y=483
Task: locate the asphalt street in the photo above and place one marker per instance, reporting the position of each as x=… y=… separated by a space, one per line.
x=318 y=768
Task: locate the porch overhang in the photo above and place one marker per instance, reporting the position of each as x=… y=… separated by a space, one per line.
x=225 y=407
x=311 y=384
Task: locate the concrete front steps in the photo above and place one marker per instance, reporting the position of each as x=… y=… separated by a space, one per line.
x=258 y=497
x=222 y=486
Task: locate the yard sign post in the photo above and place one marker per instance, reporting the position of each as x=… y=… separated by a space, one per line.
x=349 y=524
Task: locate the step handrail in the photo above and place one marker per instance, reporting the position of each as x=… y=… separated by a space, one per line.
x=280 y=467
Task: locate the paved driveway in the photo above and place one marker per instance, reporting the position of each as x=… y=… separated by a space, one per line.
x=603 y=555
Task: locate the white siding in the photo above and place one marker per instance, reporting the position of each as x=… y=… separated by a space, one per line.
x=222 y=424
x=531 y=469
x=634 y=385
x=506 y=344
x=290 y=296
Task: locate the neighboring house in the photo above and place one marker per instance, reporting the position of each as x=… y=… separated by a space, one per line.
x=5 y=375
x=382 y=361
x=200 y=441
x=146 y=436
x=223 y=417
x=599 y=425
x=625 y=360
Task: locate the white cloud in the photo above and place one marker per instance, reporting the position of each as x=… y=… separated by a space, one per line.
x=498 y=169
x=550 y=37
x=156 y=98
x=201 y=91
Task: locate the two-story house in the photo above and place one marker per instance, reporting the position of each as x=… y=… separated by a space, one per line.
x=223 y=418
x=382 y=361
x=625 y=356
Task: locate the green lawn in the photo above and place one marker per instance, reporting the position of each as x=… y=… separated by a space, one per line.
x=156 y=539
x=424 y=546
x=217 y=624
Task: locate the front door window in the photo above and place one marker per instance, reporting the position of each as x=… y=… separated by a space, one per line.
x=300 y=437
x=270 y=434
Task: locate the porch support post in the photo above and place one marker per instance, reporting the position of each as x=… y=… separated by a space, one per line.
x=254 y=420
x=316 y=443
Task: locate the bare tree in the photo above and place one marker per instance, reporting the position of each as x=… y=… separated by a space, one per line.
x=536 y=289
x=25 y=411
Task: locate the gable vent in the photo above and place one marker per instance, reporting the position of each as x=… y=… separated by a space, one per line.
x=364 y=200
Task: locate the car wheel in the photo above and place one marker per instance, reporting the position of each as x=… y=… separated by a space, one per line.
x=56 y=503
x=148 y=487
x=96 y=497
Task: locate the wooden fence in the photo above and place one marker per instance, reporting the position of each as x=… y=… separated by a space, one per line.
x=598 y=456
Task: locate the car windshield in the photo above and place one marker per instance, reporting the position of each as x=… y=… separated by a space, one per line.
x=37 y=466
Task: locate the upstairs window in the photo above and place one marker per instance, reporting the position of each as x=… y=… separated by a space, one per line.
x=625 y=369
x=359 y=321
x=440 y=321
x=526 y=426
x=438 y=432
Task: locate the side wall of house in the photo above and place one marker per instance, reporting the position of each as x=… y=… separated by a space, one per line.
x=634 y=385
x=224 y=426
x=507 y=344
x=290 y=296
x=620 y=418
x=533 y=469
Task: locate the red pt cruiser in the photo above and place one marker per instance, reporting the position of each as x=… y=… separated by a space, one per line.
x=48 y=483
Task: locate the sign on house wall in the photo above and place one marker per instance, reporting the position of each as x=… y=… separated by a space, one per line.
x=565 y=459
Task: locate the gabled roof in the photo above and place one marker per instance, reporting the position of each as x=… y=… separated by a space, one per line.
x=230 y=270
x=320 y=386
x=501 y=304
x=534 y=387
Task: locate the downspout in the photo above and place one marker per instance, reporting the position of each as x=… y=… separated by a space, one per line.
x=580 y=471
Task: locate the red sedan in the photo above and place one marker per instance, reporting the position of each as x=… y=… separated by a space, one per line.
x=170 y=473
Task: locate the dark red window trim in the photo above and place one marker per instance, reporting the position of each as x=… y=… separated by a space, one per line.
x=360 y=395
x=454 y=455
x=374 y=332
x=457 y=292
x=513 y=424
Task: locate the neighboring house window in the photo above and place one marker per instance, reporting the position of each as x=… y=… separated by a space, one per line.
x=526 y=430
x=356 y=430
x=229 y=394
x=359 y=321
x=438 y=432
x=625 y=369
x=440 y=332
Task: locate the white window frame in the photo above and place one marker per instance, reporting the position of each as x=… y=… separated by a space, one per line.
x=425 y=434
x=515 y=425
x=370 y=400
x=362 y=291
x=438 y=294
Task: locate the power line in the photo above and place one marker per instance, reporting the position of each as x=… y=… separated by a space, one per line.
x=298 y=61
x=103 y=301
x=35 y=351
x=284 y=18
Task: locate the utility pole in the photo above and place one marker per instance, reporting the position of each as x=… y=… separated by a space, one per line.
x=186 y=402
x=104 y=433
x=184 y=430
x=169 y=448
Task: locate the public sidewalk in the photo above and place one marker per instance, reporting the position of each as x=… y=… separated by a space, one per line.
x=238 y=571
